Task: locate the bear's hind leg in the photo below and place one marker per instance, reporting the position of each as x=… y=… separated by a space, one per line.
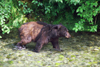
x=22 y=43
x=20 y=46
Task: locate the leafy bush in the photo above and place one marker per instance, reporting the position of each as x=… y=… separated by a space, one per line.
x=25 y=9
x=10 y=16
x=87 y=10
x=52 y=10
x=77 y=15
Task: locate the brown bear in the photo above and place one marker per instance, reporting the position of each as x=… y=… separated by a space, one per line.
x=41 y=33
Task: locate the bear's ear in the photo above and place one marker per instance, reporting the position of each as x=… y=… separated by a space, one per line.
x=57 y=26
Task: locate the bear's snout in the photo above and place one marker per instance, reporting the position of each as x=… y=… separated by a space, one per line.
x=68 y=35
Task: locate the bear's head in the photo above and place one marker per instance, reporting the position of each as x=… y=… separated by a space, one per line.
x=60 y=31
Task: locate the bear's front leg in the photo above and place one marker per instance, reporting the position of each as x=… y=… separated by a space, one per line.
x=38 y=47
x=55 y=44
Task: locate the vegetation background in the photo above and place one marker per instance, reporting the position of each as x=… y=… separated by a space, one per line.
x=76 y=15
x=81 y=50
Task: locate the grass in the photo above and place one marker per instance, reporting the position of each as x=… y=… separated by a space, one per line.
x=81 y=50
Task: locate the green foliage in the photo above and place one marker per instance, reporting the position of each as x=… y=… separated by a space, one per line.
x=52 y=10
x=0 y=36
x=13 y=12
x=4 y=14
x=87 y=11
x=37 y=3
x=79 y=26
x=75 y=2
x=10 y=16
x=26 y=10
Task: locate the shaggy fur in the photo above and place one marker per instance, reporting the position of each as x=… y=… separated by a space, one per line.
x=41 y=33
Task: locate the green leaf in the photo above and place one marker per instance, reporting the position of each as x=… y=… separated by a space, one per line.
x=57 y=64
x=0 y=36
x=10 y=62
x=61 y=56
x=29 y=55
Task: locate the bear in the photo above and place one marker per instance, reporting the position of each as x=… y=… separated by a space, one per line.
x=41 y=33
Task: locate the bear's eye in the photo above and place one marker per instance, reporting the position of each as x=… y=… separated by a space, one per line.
x=65 y=29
